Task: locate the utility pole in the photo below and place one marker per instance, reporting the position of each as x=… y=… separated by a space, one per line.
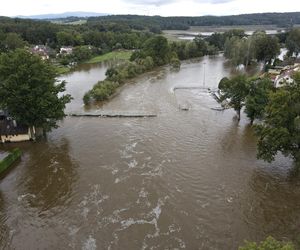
x=204 y=74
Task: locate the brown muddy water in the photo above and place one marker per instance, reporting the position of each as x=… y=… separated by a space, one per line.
x=182 y=180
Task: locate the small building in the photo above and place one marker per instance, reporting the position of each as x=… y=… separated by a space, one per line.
x=10 y=131
x=42 y=51
x=286 y=76
x=66 y=50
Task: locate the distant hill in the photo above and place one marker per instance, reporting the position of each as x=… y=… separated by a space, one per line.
x=284 y=20
x=64 y=15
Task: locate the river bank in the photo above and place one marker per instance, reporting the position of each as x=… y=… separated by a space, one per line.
x=114 y=55
x=9 y=159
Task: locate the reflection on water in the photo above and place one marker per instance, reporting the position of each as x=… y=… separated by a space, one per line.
x=183 y=180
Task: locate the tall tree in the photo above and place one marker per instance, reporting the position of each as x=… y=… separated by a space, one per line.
x=258 y=98
x=29 y=90
x=239 y=50
x=266 y=47
x=13 y=41
x=293 y=42
x=235 y=91
x=158 y=48
x=280 y=131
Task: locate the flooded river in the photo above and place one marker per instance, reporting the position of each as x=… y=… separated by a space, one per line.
x=181 y=180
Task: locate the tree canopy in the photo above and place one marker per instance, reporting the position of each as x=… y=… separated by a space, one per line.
x=280 y=131
x=29 y=90
x=235 y=90
x=257 y=98
x=268 y=244
x=293 y=42
x=260 y=47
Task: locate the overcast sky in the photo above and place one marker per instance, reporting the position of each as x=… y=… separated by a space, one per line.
x=148 y=7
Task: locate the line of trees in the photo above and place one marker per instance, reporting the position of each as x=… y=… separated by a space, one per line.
x=16 y=33
x=240 y=48
x=158 y=23
x=259 y=47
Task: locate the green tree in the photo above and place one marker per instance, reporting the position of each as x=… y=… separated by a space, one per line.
x=82 y=53
x=235 y=90
x=258 y=98
x=266 y=47
x=201 y=45
x=239 y=50
x=29 y=90
x=280 y=131
x=64 y=38
x=293 y=42
x=268 y=244
x=13 y=41
x=217 y=40
x=158 y=48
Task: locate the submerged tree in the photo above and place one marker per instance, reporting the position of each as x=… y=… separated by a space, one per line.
x=158 y=48
x=266 y=47
x=29 y=90
x=258 y=98
x=235 y=91
x=293 y=42
x=280 y=131
x=268 y=244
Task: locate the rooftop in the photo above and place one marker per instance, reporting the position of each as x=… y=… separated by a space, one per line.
x=10 y=127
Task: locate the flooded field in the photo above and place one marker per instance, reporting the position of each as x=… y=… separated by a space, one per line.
x=181 y=180
x=206 y=31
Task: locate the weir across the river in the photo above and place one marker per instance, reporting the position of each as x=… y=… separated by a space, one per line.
x=133 y=114
x=192 y=88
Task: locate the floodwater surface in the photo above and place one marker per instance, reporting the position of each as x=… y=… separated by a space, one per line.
x=181 y=180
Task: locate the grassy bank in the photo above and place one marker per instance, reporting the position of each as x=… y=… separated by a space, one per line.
x=62 y=69
x=120 y=55
x=115 y=55
x=10 y=159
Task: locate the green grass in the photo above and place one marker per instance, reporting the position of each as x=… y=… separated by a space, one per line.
x=10 y=159
x=60 y=69
x=120 y=55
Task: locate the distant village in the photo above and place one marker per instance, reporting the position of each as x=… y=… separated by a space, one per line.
x=44 y=51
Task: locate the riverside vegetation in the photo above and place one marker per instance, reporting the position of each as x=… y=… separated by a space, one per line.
x=156 y=51
x=278 y=109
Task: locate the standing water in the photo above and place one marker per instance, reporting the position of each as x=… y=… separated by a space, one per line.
x=182 y=180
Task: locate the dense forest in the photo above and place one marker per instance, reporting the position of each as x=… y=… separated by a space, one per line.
x=107 y=31
x=55 y=35
x=156 y=23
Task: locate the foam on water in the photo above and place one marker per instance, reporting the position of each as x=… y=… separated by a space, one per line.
x=133 y=163
x=23 y=196
x=89 y=244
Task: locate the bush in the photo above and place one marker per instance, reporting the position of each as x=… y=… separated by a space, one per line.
x=87 y=98
x=268 y=244
x=10 y=159
x=175 y=63
x=102 y=90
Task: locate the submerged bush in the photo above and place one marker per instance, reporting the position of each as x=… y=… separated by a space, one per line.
x=268 y=244
x=103 y=90
x=175 y=63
